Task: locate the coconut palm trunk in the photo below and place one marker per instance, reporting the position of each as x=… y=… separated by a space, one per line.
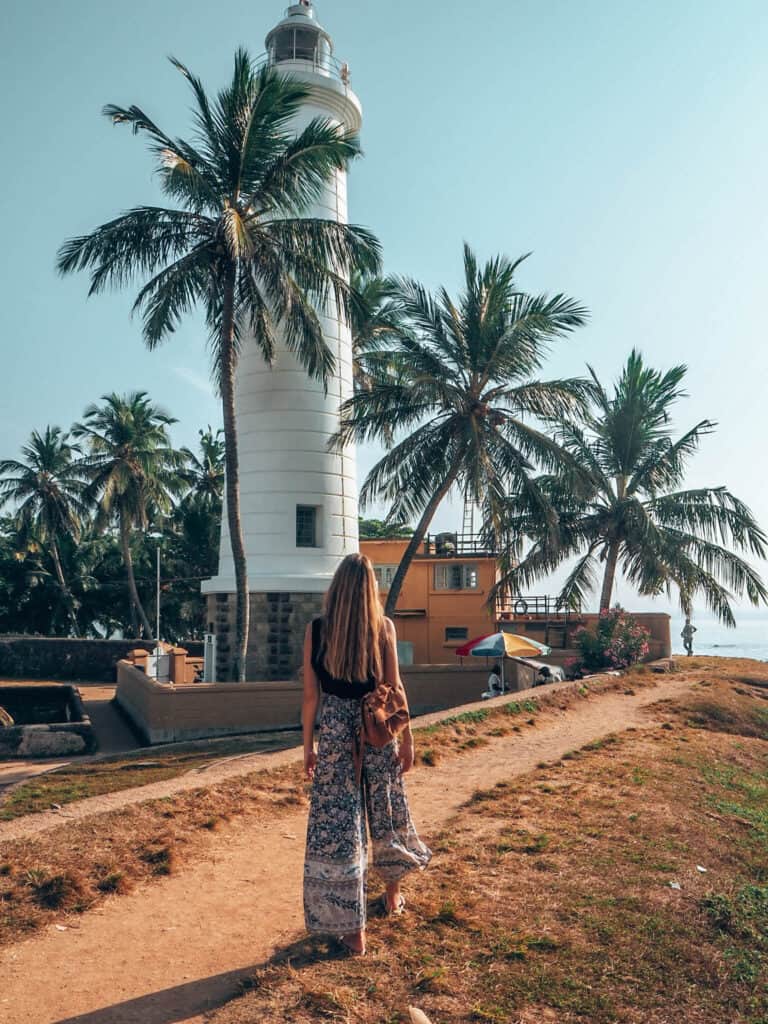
x=125 y=547
x=232 y=465
x=609 y=577
x=68 y=599
x=416 y=540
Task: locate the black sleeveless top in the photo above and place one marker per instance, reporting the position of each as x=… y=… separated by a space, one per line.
x=328 y=684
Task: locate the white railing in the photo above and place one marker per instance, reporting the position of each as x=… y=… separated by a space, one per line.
x=322 y=64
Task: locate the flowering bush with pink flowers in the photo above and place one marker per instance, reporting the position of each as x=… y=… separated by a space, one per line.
x=616 y=641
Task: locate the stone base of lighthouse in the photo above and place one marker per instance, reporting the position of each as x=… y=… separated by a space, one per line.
x=276 y=634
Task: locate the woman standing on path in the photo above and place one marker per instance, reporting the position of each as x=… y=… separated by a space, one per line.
x=346 y=652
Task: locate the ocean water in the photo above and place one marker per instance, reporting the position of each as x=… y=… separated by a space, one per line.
x=748 y=640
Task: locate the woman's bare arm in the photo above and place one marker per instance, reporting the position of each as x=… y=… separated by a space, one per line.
x=309 y=706
x=392 y=675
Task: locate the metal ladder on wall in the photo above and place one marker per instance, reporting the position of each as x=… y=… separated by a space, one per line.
x=467 y=523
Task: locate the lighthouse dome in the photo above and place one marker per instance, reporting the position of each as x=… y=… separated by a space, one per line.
x=299 y=38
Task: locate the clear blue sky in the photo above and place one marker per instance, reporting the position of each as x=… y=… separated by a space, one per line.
x=623 y=142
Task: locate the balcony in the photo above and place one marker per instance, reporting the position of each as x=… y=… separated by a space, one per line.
x=540 y=617
x=455 y=545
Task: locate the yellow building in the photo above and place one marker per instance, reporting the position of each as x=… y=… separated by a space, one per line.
x=443 y=602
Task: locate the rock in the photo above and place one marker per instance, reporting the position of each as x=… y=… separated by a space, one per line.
x=6 y=721
x=50 y=744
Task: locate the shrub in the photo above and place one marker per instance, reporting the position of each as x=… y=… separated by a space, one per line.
x=616 y=641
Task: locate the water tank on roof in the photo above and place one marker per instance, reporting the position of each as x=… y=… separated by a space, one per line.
x=445 y=544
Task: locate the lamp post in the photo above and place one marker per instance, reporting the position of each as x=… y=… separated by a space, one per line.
x=157 y=537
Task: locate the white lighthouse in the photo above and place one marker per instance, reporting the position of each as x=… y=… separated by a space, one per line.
x=299 y=501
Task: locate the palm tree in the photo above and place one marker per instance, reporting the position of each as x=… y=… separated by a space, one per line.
x=47 y=488
x=204 y=472
x=376 y=321
x=133 y=471
x=622 y=505
x=238 y=244
x=460 y=383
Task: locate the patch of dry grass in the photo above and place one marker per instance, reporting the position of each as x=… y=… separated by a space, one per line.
x=79 y=781
x=477 y=727
x=549 y=898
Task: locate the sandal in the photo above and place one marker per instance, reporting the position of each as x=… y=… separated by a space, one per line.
x=347 y=949
x=397 y=910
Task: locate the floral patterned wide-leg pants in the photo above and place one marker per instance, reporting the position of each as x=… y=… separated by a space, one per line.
x=336 y=863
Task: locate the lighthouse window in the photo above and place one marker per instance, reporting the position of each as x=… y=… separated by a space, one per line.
x=295 y=44
x=306 y=526
x=305 y=45
x=284 y=45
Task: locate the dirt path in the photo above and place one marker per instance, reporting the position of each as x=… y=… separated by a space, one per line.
x=171 y=950
x=216 y=771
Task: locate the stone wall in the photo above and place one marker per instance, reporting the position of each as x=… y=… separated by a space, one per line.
x=276 y=634
x=38 y=657
x=71 y=734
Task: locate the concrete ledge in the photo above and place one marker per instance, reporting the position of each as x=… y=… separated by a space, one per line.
x=163 y=713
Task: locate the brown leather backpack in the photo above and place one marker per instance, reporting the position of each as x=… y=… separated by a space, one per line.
x=385 y=714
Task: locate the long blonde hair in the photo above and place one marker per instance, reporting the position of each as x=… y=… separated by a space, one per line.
x=353 y=631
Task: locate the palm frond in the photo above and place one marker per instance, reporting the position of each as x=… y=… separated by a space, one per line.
x=137 y=242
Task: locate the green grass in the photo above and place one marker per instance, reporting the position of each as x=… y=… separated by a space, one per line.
x=517 y=707
x=741 y=794
x=466 y=718
x=741 y=921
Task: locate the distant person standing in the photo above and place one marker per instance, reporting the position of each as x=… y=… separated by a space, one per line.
x=687 y=635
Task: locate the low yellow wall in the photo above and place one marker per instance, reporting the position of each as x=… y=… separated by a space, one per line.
x=657 y=624
x=166 y=714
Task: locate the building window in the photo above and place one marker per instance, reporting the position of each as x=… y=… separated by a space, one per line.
x=384 y=575
x=456 y=576
x=306 y=526
x=456 y=633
